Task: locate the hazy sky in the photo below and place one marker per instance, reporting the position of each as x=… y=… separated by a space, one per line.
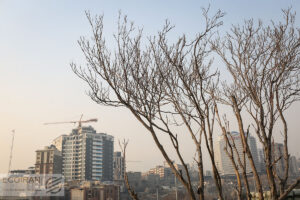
x=38 y=40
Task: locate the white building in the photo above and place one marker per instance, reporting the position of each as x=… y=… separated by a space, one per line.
x=224 y=163
x=86 y=155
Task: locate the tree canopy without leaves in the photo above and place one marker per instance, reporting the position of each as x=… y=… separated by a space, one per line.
x=166 y=85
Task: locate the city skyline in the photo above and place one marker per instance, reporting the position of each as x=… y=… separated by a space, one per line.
x=37 y=85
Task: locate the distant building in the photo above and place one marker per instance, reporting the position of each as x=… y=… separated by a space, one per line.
x=161 y=171
x=208 y=173
x=224 y=163
x=293 y=168
x=134 y=176
x=87 y=155
x=253 y=150
x=95 y=192
x=278 y=155
x=177 y=166
x=152 y=179
x=261 y=158
x=59 y=142
x=119 y=166
x=30 y=170
x=48 y=161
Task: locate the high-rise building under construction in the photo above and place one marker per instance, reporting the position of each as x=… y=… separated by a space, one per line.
x=86 y=154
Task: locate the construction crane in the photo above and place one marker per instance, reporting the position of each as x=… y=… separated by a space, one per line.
x=80 y=122
x=11 y=150
x=74 y=122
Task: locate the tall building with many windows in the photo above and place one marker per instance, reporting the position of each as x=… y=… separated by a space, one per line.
x=86 y=154
x=223 y=162
x=261 y=158
x=278 y=153
x=119 y=166
x=293 y=168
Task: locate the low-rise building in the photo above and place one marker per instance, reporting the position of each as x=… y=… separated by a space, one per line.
x=95 y=192
x=161 y=171
x=134 y=176
x=30 y=170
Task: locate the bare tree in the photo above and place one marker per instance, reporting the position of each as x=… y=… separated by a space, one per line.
x=189 y=82
x=264 y=63
x=238 y=162
x=163 y=85
x=166 y=85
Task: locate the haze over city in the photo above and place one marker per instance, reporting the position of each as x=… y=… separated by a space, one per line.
x=38 y=43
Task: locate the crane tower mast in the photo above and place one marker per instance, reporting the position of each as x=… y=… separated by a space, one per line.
x=11 y=150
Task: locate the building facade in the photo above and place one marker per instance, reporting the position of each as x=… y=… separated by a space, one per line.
x=48 y=161
x=96 y=192
x=278 y=155
x=223 y=162
x=87 y=155
x=293 y=168
x=161 y=171
x=59 y=142
x=280 y=165
x=119 y=166
x=30 y=170
x=262 y=162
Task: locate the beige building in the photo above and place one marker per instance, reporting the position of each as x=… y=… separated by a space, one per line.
x=48 y=161
x=162 y=171
x=165 y=171
x=59 y=142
